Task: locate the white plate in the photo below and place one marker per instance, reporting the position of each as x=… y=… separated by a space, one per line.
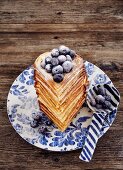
x=22 y=102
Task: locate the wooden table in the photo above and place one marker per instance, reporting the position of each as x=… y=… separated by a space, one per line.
x=28 y=28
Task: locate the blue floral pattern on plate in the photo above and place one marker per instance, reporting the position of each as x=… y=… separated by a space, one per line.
x=22 y=102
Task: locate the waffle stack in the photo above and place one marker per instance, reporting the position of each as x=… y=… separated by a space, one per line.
x=61 y=101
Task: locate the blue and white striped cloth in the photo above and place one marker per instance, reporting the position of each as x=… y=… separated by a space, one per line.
x=98 y=120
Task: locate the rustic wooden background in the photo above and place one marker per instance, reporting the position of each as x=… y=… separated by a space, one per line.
x=27 y=28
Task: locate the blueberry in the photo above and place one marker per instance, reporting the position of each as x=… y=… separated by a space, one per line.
x=107 y=105
x=36 y=116
x=93 y=102
x=48 y=122
x=42 y=129
x=68 y=57
x=67 y=66
x=108 y=98
x=58 y=78
x=54 y=61
x=48 y=60
x=55 y=52
x=100 y=99
x=34 y=123
x=50 y=129
x=61 y=59
x=98 y=106
x=72 y=54
x=64 y=50
x=48 y=68
x=43 y=64
x=101 y=91
x=57 y=70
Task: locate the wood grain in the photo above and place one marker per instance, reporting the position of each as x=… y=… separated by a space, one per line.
x=53 y=28
x=53 y=11
x=27 y=28
x=39 y=42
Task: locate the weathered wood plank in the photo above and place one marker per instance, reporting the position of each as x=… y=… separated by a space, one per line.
x=102 y=58
x=53 y=11
x=58 y=28
x=39 y=42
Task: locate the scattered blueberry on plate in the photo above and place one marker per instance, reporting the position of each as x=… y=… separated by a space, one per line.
x=37 y=121
x=42 y=129
x=34 y=123
x=49 y=122
x=36 y=116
